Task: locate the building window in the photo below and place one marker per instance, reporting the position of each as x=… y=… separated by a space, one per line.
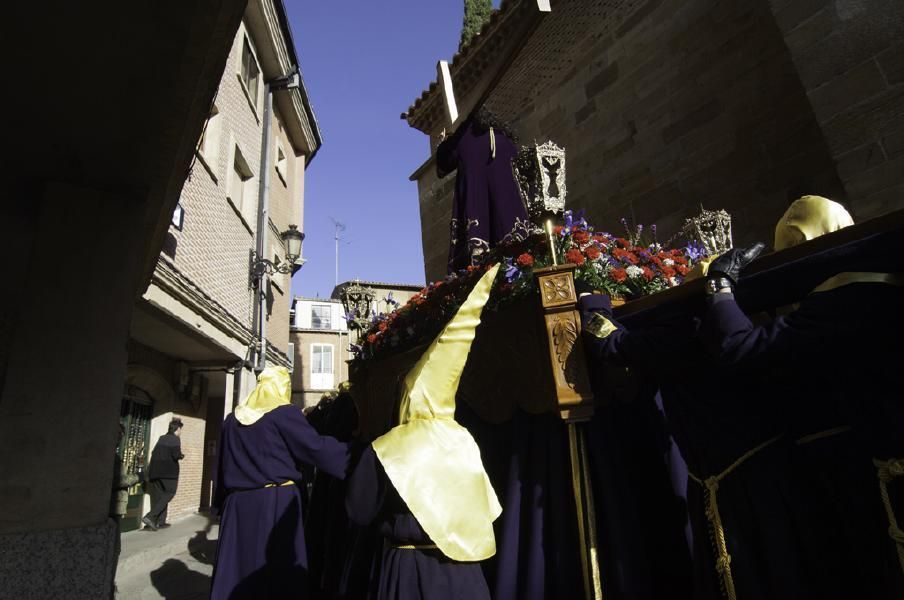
x=320 y=316
x=241 y=191
x=209 y=144
x=250 y=72
x=282 y=165
x=322 y=366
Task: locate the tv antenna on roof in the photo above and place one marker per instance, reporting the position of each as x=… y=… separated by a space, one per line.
x=338 y=228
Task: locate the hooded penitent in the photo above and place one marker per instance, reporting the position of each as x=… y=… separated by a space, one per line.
x=432 y=461
x=274 y=389
x=807 y=218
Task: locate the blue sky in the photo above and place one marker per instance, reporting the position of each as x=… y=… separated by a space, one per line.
x=364 y=62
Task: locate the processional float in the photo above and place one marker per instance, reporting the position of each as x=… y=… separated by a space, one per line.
x=542 y=338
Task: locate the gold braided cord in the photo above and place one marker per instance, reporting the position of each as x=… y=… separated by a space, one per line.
x=820 y=435
x=595 y=577
x=887 y=470
x=579 y=505
x=716 y=529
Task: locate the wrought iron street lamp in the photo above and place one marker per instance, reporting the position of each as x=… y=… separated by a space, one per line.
x=292 y=238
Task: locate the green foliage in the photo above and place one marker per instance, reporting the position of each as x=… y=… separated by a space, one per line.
x=477 y=13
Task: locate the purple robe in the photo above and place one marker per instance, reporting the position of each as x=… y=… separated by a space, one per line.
x=341 y=553
x=486 y=205
x=406 y=573
x=261 y=550
x=714 y=423
x=833 y=363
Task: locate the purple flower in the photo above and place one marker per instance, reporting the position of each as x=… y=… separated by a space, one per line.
x=511 y=271
x=695 y=251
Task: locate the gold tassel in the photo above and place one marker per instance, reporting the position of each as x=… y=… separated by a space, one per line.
x=710 y=487
x=887 y=470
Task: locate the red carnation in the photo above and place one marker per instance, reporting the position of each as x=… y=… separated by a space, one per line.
x=557 y=229
x=623 y=242
x=619 y=275
x=371 y=338
x=592 y=252
x=382 y=326
x=683 y=269
x=574 y=256
x=668 y=272
x=525 y=260
x=581 y=237
x=632 y=258
x=647 y=273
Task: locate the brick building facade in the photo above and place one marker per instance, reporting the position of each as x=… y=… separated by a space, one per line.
x=195 y=331
x=321 y=337
x=664 y=105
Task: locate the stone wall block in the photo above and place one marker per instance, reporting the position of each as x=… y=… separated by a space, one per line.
x=848 y=89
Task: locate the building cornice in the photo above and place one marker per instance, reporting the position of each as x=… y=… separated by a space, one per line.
x=269 y=25
x=173 y=282
x=477 y=67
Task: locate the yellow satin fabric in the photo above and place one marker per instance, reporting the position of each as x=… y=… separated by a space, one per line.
x=807 y=218
x=848 y=277
x=432 y=461
x=700 y=269
x=274 y=389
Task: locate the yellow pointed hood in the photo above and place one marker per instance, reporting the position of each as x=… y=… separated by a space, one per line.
x=274 y=388
x=807 y=218
x=432 y=461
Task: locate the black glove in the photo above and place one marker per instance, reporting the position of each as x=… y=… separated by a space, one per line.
x=730 y=264
x=582 y=287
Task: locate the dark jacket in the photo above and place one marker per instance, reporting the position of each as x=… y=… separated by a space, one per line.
x=165 y=458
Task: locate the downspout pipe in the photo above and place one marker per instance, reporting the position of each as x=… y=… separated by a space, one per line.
x=263 y=225
x=290 y=81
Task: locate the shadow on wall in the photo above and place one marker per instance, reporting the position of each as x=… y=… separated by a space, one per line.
x=175 y=581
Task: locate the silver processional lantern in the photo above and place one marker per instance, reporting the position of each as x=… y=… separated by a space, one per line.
x=358 y=302
x=712 y=228
x=540 y=173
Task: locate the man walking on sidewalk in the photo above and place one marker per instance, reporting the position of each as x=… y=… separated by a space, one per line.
x=163 y=475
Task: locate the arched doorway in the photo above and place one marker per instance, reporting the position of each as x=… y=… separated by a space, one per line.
x=135 y=416
x=146 y=392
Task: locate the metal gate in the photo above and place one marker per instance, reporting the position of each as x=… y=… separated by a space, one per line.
x=135 y=416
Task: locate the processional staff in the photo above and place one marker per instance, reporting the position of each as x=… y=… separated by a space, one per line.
x=540 y=173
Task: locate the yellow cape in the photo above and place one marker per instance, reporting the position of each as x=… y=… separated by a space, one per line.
x=274 y=388
x=432 y=461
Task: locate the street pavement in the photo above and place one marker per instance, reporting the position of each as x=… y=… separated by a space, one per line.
x=175 y=563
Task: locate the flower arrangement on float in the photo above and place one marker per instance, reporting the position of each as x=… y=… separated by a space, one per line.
x=626 y=267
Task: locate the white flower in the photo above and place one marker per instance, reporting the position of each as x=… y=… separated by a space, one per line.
x=673 y=281
x=634 y=271
x=668 y=262
x=600 y=267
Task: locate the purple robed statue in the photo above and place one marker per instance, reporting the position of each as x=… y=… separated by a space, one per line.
x=487 y=204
